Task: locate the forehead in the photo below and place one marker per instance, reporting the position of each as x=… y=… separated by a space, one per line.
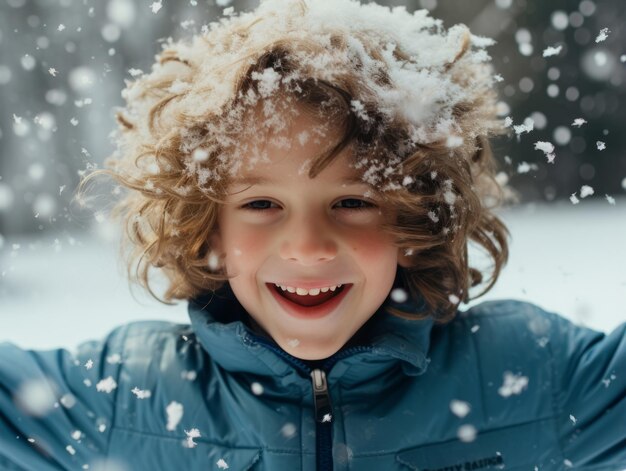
x=276 y=158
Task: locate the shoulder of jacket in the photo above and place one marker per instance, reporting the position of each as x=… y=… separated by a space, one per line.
x=510 y=344
x=510 y=335
x=511 y=315
x=152 y=339
x=151 y=331
x=162 y=359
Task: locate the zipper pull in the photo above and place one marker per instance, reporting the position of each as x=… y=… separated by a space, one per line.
x=321 y=398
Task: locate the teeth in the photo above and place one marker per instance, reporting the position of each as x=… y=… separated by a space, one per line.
x=309 y=292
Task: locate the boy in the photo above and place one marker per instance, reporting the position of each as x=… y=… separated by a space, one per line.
x=309 y=176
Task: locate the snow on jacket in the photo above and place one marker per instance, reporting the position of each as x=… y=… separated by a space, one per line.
x=504 y=385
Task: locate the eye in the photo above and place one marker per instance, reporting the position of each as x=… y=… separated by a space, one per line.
x=354 y=205
x=365 y=204
x=253 y=205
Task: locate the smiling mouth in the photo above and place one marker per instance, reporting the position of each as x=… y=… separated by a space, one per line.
x=307 y=300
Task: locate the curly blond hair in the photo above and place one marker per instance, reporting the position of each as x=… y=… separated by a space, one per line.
x=415 y=102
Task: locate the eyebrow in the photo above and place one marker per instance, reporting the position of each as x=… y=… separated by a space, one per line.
x=270 y=181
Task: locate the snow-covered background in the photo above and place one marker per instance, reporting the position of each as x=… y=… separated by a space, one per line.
x=570 y=259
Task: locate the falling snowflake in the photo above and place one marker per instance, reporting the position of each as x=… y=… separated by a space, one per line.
x=608 y=380
x=193 y=433
x=398 y=295
x=76 y=435
x=578 y=122
x=141 y=393
x=114 y=358
x=174 y=413
x=513 y=384
x=547 y=148
x=573 y=419
x=74 y=122
x=213 y=261
x=467 y=433
x=189 y=375
x=70 y=449
x=585 y=191
x=52 y=71
x=327 y=418
x=89 y=364
x=525 y=167
x=552 y=51
x=610 y=199
x=61 y=27
x=475 y=328
x=200 y=155
x=36 y=397
x=156 y=6
x=222 y=464
x=459 y=408
x=528 y=126
x=106 y=385
x=574 y=199
x=293 y=343
x=600 y=145
x=269 y=80
x=257 y=388
x=359 y=109
x=68 y=400
x=288 y=430
x=602 y=35
x=454 y=141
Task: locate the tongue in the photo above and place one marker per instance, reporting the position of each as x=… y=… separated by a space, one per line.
x=309 y=300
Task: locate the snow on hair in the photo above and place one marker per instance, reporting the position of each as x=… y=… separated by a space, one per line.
x=415 y=103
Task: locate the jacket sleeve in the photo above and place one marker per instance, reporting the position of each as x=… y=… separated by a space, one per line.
x=57 y=407
x=590 y=395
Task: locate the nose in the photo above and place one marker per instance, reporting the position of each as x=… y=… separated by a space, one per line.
x=308 y=241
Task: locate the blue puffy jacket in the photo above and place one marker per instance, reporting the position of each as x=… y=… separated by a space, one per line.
x=505 y=385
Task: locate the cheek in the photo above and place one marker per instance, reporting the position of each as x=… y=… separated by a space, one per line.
x=372 y=246
x=243 y=245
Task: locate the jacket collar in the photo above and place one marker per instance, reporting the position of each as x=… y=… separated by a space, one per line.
x=226 y=332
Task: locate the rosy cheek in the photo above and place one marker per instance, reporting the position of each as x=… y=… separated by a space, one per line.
x=244 y=245
x=372 y=245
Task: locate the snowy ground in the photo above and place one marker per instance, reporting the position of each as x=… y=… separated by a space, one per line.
x=569 y=259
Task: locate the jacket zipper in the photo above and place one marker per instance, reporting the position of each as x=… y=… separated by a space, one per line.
x=321 y=398
x=323 y=408
x=323 y=421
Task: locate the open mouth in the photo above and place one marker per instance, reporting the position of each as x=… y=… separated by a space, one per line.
x=308 y=300
x=308 y=307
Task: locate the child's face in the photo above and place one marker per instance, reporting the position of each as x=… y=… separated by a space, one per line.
x=308 y=233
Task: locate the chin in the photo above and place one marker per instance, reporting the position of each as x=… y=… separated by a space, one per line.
x=310 y=353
